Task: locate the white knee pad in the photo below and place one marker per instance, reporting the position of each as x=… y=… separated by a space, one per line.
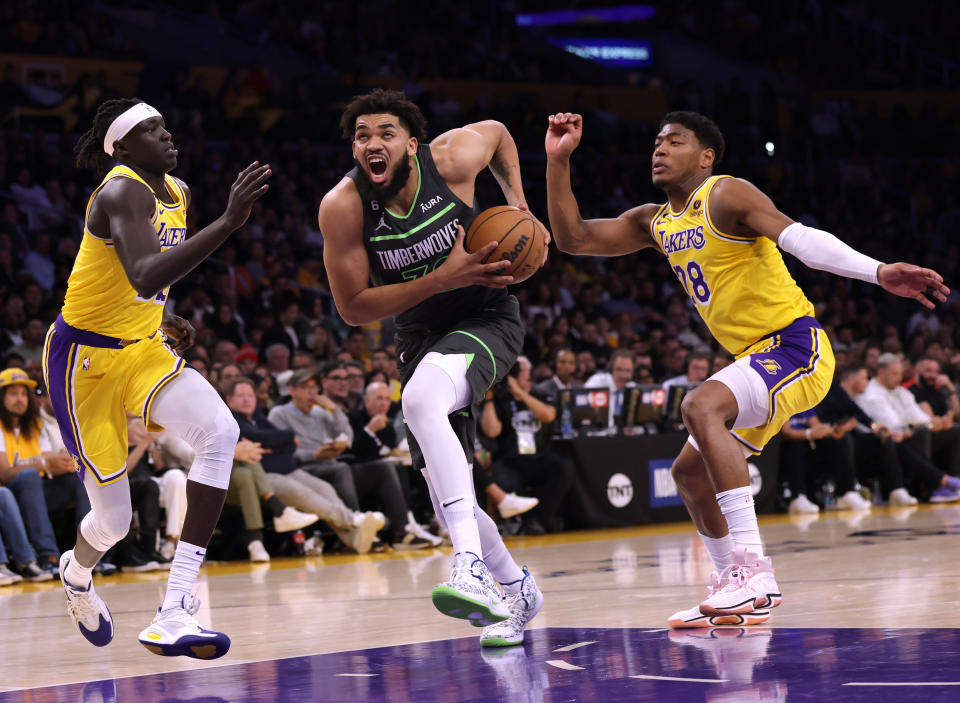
x=110 y=512
x=190 y=408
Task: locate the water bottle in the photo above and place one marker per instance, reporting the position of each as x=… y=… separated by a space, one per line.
x=829 y=499
x=566 y=422
x=876 y=492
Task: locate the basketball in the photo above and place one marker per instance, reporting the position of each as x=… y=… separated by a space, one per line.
x=520 y=239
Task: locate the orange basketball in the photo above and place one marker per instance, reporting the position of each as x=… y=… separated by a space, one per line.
x=519 y=237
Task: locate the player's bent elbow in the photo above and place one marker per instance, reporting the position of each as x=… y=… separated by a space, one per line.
x=567 y=245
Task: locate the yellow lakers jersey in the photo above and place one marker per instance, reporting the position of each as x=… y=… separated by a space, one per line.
x=740 y=284
x=99 y=295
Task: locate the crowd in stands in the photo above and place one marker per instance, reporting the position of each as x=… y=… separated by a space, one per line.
x=322 y=442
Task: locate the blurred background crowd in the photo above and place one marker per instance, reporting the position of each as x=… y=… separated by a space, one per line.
x=868 y=155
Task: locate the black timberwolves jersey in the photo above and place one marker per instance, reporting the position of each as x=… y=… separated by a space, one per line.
x=405 y=247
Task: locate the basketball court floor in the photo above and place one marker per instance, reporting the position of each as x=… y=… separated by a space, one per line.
x=871 y=611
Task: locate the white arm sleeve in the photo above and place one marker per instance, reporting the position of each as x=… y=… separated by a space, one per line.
x=821 y=250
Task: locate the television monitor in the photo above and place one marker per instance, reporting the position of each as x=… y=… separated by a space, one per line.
x=671 y=412
x=643 y=406
x=590 y=410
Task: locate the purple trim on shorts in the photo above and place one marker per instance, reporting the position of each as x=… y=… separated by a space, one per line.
x=796 y=355
x=60 y=350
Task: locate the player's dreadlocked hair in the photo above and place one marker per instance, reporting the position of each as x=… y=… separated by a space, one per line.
x=89 y=148
x=706 y=130
x=378 y=101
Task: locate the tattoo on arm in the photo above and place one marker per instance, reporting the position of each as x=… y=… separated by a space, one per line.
x=501 y=171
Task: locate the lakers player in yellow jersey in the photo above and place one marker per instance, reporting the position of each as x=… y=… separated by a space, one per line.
x=111 y=352
x=721 y=236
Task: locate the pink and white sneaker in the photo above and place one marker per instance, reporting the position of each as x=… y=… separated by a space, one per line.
x=693 y=618
x=746 y=585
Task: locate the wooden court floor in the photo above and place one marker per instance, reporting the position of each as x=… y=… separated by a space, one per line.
x=892 y=570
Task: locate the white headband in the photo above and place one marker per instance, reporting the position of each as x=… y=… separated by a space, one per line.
x=125 y=122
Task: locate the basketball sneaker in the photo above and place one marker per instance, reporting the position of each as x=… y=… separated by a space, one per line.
x=693 y=618
x=523 y=606
x=471 y=593
x=744 y=586
x=87 y=610
x=175 y=632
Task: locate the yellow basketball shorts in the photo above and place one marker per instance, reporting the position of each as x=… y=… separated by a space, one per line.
x=796 y=365
x=94 y=381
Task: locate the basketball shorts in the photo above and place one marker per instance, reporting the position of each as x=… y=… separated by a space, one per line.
x=491 y=340
x=781 y=375
x=94 y=381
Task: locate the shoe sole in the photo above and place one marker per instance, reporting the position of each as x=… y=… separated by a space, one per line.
x=755 y=617
x=770 y=600
x=454 y=604
x=193 y=647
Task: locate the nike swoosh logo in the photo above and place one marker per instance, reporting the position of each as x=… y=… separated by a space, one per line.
x=201 y=554
x=447 y=505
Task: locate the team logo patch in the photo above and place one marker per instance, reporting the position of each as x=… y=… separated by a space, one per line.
x=696 y=204
x=86 y=363
x=383 y=223
x=770 y=366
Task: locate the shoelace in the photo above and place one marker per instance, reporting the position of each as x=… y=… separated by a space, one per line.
x=733 y=575
x=82 y=605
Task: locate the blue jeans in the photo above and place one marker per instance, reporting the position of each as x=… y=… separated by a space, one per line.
x=65 y=491
x=27 y=486
x=15 y=534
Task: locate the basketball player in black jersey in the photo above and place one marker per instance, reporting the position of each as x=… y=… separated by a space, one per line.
x=393 y=233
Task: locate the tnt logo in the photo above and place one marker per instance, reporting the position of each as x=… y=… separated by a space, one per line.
x=770 y=366
x=619 y=490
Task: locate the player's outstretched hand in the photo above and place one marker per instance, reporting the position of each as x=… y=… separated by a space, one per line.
x=250 y=185
x=462 y=269
x=179 y=333
x=564 y=130
x=909 y=281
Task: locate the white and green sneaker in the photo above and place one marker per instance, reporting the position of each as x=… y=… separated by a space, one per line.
x=471 y=593
x=524 y=604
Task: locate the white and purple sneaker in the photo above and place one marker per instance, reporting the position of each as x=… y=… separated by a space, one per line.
x=87 y=610
x=176 y=633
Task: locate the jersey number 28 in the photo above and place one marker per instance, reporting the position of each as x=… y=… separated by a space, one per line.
x=693 y=281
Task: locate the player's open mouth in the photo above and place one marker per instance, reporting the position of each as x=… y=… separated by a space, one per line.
x=378 y=168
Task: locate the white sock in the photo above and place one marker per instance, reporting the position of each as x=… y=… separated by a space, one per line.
x=737 y=507
x=720 y=550
x=496 y=555
x=462 y=525
x=77 y=574
x=183 y=574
